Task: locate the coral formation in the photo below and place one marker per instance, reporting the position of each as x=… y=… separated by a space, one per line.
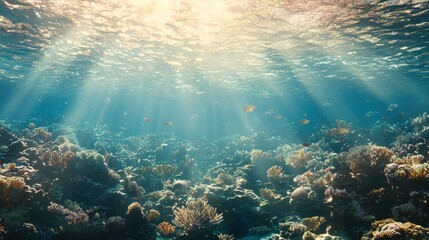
x=196 y=217
x=57 y=182
x=166 y=229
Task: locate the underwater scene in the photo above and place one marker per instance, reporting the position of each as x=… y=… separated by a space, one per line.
x=214 y=119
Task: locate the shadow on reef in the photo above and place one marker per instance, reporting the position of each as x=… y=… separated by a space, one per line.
x=57 y=182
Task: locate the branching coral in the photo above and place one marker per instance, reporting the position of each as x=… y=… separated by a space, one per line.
x=389 y=229
x=267 y=194
x=7 y=186
x=56 y=158
x=299 y=159
x=225 y=237
x=38 y=134
x=257 y=155
x=419 y=172
x=115 y=224
x=165 y=169
x=224 y=179
x=166 y=228
x=421 y=123
x=196 y=215
x=331 y=194
x=410 y=160
x=72 y=217
x=313 y=223
x=368 y=161
x=275 y=173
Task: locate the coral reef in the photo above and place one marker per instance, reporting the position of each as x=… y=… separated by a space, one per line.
x=57 y=182
x=196 y=218
x=389 y=229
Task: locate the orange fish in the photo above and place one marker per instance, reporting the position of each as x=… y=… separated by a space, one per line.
x=342 y=131
x=278 y=117
x=304 y=121
x=147 y=119
x=249 y=108
x=168 y=123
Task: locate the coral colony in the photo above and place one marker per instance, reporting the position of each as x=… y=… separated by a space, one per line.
x=57 y=183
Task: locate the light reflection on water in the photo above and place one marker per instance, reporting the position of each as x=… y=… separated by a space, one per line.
x=199 y=43
x=200 y=56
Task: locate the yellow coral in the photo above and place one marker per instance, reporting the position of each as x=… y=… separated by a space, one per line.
x=17 y=183
x=4 y=182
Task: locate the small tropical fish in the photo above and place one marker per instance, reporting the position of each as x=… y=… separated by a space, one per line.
x=278 y=117
x=249 y=108
x=168 y=123
x=304 y=121
x=195 y=116
x=269 y=111
x=306 y=144
x=400 y=114
x=326 y=104
x=392 y=107
x=335 y=132
x=147 y=119
x=370 y=114
x=342 y=131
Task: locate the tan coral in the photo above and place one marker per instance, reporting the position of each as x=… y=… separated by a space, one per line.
x=166 y=228
x=267 y=194
x=17 y=183
x=313 y=223
x=367 y=159
x=153 y=214
x=165 y=169
x=196 y=214
x=299 y=159
x=274 y=173
x=224 y=179
x=225 y=237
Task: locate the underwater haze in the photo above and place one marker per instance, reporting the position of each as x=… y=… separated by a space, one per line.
x=216 y=119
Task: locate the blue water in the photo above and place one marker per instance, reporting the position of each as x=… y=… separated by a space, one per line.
x=375 y=57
